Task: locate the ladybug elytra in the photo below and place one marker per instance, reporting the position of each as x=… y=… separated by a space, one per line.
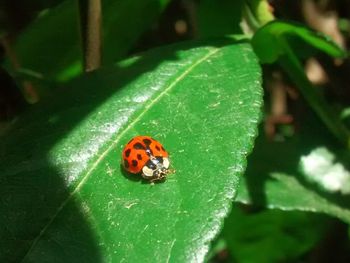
x=146 y=156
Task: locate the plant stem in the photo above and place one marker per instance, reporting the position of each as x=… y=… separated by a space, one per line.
x=90 y=19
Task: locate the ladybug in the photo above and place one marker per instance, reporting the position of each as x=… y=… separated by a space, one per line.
x=146 y=156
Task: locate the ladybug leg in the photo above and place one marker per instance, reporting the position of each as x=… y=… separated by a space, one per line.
x=158 y=179
x=153 y=181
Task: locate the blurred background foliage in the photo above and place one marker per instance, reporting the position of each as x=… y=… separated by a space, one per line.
x=282 y=212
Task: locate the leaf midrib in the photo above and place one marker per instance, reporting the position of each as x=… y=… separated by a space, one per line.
x=116 y=141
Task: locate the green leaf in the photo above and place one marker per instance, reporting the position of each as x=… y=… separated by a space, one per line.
x=66 y=194
x=219 y=18
x=273 y=178
x=51 y=44
x=268 y=41
x=271 y=235
x=284 y=191
x=321 y=168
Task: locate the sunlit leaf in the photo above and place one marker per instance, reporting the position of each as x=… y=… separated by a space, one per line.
x=66 y=194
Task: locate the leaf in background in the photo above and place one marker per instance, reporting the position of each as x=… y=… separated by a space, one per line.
x=273 y=179
x=279 y=35
x=268 y=41
x=219 y=18
x=320 y=167
x=271 y=235
x=51 y=44
x=66 y=195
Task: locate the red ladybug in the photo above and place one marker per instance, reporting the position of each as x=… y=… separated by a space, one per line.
x=146 y=156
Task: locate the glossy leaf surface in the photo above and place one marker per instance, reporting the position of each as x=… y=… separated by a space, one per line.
x=66 y=194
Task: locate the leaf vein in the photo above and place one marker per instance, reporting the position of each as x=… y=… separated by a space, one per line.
x=115 y=142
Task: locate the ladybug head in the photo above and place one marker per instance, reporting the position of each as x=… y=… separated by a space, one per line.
x=156 y=168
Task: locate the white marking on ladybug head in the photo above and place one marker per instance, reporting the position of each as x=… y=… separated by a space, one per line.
x=147 y=172
x=166 y=162
x=156 y=168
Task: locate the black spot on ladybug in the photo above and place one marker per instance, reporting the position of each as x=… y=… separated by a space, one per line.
x=134 y=163
x=138 y=146
x=147 y=141
x=126 y=163
x=127 y=152
x=163 y=148
x=158 y=148
x=139 y=157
